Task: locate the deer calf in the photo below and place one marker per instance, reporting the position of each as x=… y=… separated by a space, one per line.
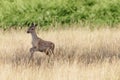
x=39 y=44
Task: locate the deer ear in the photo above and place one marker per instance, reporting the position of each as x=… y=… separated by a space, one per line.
x=28 y=24
x=36 y=25
x=32 y=24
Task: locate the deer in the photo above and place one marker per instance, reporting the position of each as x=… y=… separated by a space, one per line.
x=39 y=44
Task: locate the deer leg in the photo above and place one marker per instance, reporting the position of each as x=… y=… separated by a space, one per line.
x=51 y=55
x=52 y=51
x=32 y=50
x=47 y=52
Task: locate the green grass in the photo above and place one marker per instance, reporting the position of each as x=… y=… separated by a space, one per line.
x=51 y=12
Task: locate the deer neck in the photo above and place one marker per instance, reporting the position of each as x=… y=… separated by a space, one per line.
x=34 y=36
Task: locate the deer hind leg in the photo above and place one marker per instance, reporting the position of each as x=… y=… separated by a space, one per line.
x=52 y=49
x=47 y=52
x=50 y=54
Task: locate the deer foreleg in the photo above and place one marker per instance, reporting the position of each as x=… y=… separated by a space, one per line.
x=32 y=50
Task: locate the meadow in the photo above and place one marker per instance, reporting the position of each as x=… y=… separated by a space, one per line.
x=80 y=54
x=86 y=34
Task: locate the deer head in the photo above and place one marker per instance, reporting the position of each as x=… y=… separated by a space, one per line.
x=31 y=28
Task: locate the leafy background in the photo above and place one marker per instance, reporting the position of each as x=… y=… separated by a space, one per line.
x=51 y=12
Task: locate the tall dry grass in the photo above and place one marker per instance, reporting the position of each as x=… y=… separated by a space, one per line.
x=80 y=54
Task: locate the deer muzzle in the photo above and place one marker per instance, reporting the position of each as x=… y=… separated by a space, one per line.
x=28 y=31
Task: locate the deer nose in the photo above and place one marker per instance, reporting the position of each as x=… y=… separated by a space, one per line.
x=28 y=32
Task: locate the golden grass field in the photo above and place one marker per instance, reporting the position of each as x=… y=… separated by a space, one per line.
x=80 y=54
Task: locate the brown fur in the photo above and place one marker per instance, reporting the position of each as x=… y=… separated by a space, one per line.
x=39 y=44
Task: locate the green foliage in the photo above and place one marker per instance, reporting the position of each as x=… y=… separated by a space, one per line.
x=50 y=12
